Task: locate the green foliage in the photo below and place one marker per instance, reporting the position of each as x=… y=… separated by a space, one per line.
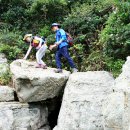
x=51 y=39
x=5 y=78
x=86 y=20
x=94 y=62
x=114 y=66
x=45 y=31
x=77 y=53
x=44 y=12
x=11 y=44
x=116 y=35
x=100 y=30
x=14 y=13
x=32 y=14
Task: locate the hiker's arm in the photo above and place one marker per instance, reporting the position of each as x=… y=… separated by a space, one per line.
x=52 y=46
x=57 y=43
x=28 y=52
x=63 y=38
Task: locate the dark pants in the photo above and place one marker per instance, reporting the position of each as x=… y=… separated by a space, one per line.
x=63 y=52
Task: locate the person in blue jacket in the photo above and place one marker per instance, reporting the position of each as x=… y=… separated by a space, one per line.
x=62 y=48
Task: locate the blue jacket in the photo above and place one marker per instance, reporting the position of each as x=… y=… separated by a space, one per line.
x=61 y=34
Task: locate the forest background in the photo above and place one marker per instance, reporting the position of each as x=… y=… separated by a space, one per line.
x=100 y=28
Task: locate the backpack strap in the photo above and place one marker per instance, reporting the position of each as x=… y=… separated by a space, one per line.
x=32 y=39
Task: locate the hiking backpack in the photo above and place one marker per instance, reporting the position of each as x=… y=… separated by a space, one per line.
x=35 y=42
x=69 y=40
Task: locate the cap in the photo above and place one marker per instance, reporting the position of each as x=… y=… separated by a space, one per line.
x=27 y=35
x=55 y=24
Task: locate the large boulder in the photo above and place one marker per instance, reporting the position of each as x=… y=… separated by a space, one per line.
x=113 y=111
x=82 y=102
x=6 y=94
x=17 y=116
x=122 y=83
x=126 y=111
x=36 y=84
x=116 y=110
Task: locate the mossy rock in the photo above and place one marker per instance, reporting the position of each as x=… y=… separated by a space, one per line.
x=4 y=68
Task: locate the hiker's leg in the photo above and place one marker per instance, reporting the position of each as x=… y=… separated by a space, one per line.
x=58 y=59
x=38 y=57
x=42 y=52
x=65 y=53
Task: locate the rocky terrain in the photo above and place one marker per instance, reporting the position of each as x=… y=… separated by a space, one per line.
x=91 y=100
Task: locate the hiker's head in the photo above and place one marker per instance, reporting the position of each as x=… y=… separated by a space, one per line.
x=55 y=26
x=27 y=37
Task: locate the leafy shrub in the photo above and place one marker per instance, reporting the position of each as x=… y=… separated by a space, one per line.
x=87 y=19
x=114 y=66
x=11 y=44
x=5 y=78
x=48 y=10
x=100 y=30
x=45 y=31
x=94 y=62
x=116 y=35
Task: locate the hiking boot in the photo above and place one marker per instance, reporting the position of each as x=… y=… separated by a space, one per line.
x=58 y=71
x=44 y=66
x=38 y=66
x=74 y=70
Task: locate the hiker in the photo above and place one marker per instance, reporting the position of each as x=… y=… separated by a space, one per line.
x=62 y=48
x=41 y=47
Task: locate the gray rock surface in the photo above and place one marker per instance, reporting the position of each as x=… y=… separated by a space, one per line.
x=36 y=84
x=116 y=111
x=3 y=58
x=113 y=111
x=4 y=67
x=17 y=116
x=122 y=85
x=82 y=102
x=6 y=94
